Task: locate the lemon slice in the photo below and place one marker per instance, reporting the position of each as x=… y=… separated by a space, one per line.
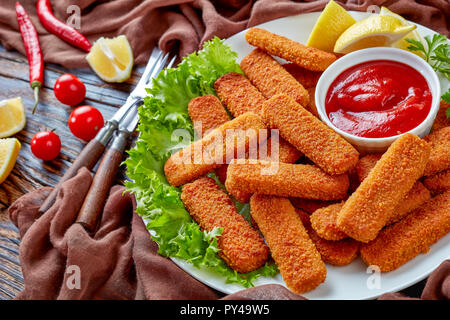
x=402 y=43
x=332 y=22
x=9 y=150
x=111 y=59
x=374 y=31
x=12 y=117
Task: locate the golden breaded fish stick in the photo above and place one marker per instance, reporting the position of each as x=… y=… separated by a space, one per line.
x=309 y=205
x=306 y=57
x=368 y=209
x=241 y=246
x=238 y=94
x=212 y=151
x=440 y=151
x=285 y=180
x=415 y=197
x=365 y=164
x=324 y=222
x=207 y=113
x=308 y=134
x=403 y=241
x=271 y=78
x=337 y=253
x=294 y=253
x=307 y=78
x=441 y=120
x=438 y=183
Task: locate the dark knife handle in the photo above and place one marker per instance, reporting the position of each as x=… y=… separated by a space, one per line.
x=88 y=157
x=104 y=178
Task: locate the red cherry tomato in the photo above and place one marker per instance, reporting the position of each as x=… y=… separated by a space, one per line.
x=69 y=89
x=85 y=122
x=45 y=145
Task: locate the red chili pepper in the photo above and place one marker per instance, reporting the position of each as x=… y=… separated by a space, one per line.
x=59 y=28
x=33 y=50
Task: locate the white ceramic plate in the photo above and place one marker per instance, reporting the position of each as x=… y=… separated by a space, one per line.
x=354 y=281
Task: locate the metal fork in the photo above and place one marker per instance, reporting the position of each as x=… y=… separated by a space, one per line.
x=125 y=119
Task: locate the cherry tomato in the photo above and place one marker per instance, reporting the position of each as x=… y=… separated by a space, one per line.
x=69 y=89
x=85 y=122
x=45 y=145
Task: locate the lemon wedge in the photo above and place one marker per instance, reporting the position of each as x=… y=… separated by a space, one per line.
x=374 y=31
x=12 y=117
x=9 y=150
x=111 y=59
x=332 y=22
x=402 y=43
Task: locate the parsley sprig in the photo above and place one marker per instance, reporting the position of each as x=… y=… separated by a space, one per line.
x=437 y=54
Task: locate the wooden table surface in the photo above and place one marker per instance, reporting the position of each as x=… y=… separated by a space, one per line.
x=29 y=172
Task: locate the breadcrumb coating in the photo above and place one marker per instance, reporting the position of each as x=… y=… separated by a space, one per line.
x=438 y=183
x=368 y=209
x=294 y=253
x=309 y=205
x=337 y=253
x=323 y=221
x=285 y=180
x=241 y=246
x=306 y=57
x=200 y=157
x=306 y=77
x=207 y=113
x=365 y=164
x=311 y=106
x=238 y=94
x=403 y=241
x=440 y=151
x=441 y=120
x=308 y=134
x=271 y=78
x=415 y=197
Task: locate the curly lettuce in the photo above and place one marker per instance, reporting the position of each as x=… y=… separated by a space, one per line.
x=163 y=112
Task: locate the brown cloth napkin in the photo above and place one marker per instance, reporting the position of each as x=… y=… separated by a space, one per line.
x=183 y=25
x=120 y=260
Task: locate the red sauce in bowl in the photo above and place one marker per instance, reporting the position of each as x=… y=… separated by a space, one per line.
x=378 y=99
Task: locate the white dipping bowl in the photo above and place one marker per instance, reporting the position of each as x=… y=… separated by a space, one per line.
x=370 y=145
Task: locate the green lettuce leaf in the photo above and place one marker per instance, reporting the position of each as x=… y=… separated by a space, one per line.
x=165 y=111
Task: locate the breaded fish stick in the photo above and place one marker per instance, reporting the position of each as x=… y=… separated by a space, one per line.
x=365 y=164
x=271 y=78
x=438 y=183
x=308 y=134
x=440 y=151
x=403 y=241
x=309 y=205
x=441 y=120
x=241 y=246
x=306 y=57
x=207 y=113
x=369 y=208
x=294 y=253
x=285 y=180
x=324 y=222
x=307 y=78
x=212 y=151
x=337 y=253
x=238 y=94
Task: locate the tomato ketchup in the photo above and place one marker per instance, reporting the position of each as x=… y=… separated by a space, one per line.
x=378 y=99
